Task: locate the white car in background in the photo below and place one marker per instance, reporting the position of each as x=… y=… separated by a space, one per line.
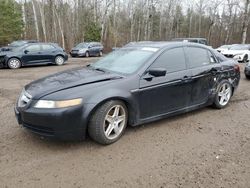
x=240 y=52
x=223 y=48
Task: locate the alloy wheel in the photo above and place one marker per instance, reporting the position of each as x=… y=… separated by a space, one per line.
x=114 y=122
x=59 y=60
x=14 y=63
x=224 y=94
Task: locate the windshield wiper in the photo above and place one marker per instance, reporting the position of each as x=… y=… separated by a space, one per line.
x=96 y=68
x=99 y=69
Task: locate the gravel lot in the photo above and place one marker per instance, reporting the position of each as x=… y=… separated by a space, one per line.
x=205 y=148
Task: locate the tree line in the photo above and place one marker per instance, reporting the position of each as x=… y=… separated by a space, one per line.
x=117 y=22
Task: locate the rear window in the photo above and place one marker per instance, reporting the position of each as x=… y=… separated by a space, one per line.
x=197 y=57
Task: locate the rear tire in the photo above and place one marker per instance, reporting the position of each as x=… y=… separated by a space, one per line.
x=108 y=122
x=59 y=60
x=14 y=63
x=223 y=95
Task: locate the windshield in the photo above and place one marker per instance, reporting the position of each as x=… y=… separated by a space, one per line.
x=82 y=45
x=239 y=47
x=126 y=61
x=17 y=43
x=17 y=49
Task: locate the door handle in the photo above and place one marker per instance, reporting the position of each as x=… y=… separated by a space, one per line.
x=187 y=79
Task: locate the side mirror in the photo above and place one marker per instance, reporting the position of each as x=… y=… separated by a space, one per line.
x=157 y=72
x=90 y=47
x=26 y=51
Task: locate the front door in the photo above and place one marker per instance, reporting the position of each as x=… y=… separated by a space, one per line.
x=32 y=54
x=169 y=93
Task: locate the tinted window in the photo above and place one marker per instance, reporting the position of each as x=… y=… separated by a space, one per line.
x=197 y=57
x=172 y=60
x=47 y=47
x=33 y=48
x=211 y=57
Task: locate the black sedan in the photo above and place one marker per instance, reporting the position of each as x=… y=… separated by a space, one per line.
x=247 y=70
x=131 y=86
x=33 y=54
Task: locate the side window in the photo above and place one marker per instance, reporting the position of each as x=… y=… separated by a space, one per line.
x=211 y=57
x=47 y=47
x=33 y=48
x=172 y=60
x=197 y=57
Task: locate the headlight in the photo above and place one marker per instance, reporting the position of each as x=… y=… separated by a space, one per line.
x=57 y=104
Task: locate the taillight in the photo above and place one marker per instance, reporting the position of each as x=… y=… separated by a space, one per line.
x=237 y=68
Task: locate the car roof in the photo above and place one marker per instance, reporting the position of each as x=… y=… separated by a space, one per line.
x=161 y=44
x=189 y=39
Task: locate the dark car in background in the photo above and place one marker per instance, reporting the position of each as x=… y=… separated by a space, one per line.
x=33 y=54
x=195 y=40
x=16 y=44
x=247 y=70
x=87 y=49
x=133 y=85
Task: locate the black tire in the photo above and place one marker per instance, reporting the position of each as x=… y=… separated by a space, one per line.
x=219 y=102
x=98 y=122
x=245 y=59
x=59 y=60
x=87 y=54
x=14 y=63
x=247 y=77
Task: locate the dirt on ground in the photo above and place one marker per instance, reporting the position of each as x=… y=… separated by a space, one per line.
x=204 y=148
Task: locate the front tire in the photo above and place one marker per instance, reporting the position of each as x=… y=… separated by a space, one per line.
x=87 y=54
x=223 y=95
x=108 y=122
x=59 y=60
x=14 y=63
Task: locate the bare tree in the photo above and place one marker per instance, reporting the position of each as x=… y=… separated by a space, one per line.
x=245 y=21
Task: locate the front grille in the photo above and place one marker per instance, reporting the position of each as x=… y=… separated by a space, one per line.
x=74 y=51
x=45 y=131
x=24 y=99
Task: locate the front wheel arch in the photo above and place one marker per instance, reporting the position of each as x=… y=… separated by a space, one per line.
x=132 y=113
x=7 y=60
x=96 y=119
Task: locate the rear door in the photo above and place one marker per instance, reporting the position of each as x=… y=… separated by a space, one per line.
x=205 y=69
x=32 y=54
x=169 y=93
x=48 y=53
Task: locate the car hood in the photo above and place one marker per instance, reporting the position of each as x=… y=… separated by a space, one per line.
x=6 y=48
x=234 y=52
x=4 y=53
x=67 y=79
